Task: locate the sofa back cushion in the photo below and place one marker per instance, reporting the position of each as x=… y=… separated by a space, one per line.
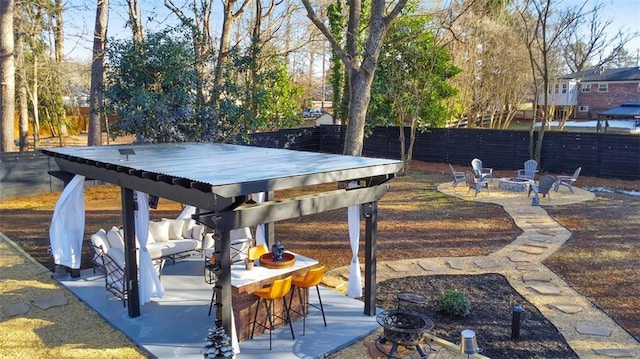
x=175 y=228
x=115 y=239
x=187 y=227
x=159 y=232
x=99 y=239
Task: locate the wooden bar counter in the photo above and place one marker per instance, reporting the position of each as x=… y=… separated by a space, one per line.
x=244 y=282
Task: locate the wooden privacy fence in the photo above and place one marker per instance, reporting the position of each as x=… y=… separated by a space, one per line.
x=599 y=155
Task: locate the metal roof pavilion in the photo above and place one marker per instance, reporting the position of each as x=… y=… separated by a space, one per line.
x=218 y=178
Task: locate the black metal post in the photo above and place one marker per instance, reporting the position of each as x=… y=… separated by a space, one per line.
x=370 y=247
x=516 y=313
x=131 y=263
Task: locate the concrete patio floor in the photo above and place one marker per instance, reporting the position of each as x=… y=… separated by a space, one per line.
x=175 y=326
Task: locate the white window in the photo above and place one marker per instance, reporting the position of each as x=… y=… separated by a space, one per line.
x=603 y=87
x=585 y=88
x=583 y=108
x=564 y=88
x=556 y=88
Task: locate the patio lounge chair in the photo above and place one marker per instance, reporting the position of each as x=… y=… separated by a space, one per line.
x=529 y=171
x=473 y=183
x=567 y=180
x=480 y=171
x=458 y=177
x=543 y=187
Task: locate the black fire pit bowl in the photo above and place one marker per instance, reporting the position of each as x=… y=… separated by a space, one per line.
x=403 y=327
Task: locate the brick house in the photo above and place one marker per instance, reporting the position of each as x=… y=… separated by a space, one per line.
x=585 y=94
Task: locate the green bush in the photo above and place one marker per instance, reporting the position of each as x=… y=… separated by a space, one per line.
x=453 y=302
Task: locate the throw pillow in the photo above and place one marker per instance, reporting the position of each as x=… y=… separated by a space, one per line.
x=115 y=238
x=175 y=228
x=198 y=231
x=187 y=227
x=159 y=231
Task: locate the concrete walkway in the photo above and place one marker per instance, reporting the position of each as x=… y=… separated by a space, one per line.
x=588 y=330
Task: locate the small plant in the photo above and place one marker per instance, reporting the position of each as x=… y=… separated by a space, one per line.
x=453 y=302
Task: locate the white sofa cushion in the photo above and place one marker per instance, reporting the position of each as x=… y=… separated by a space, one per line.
x=114 y=237
x=198 y=232
x=159 y=231
x=187 y=227
x=99 y=239
x=175 y=228
x=172 y=247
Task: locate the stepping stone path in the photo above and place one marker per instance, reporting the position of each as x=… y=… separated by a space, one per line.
x=521 y=263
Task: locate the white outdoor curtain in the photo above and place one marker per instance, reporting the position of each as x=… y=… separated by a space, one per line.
x=187 y=212
x=260 y=234
x=67 y=225
x=354 y=288
x=149 y=285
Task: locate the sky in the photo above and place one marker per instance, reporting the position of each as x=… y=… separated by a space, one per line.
x=80 y=18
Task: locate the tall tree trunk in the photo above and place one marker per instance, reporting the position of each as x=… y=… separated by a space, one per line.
x=96 y=95
x=359 y=97
x=58 y=31
x=23 y=103
x=7 y=76
x=135 y=21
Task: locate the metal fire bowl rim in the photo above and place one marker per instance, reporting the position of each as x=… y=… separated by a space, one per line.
x=382 y=319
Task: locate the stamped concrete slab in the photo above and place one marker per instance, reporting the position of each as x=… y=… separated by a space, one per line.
x=54 y=300
x=428 y=266
x=546 y=232
x=546 y=289
x=485 y=263
x=400 y=267
x=456 y=264
x=536 y=277
x=530 y=250
x=14 y=309
x=567 y=308
x=614 y=353
x=593 y=330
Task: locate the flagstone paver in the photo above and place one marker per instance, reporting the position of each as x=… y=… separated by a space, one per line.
x=614 y=353
x=456 y=264
x=567 y=308
x=428 y=266
x=16 y=309
x=531 y=250
x=536 y=277
x=485 y=263
x=54 y=300
x=593 y=330
x=546 y=289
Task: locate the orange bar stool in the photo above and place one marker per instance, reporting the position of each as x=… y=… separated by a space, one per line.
x=312 y=278
x=277 y=290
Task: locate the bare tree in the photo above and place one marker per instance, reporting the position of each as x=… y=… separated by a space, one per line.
x=542 y=28
x=7 y=76
x=597 y=48
x=23 y=102
x=135 y=21
x=359 y=59
x=96 y=95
